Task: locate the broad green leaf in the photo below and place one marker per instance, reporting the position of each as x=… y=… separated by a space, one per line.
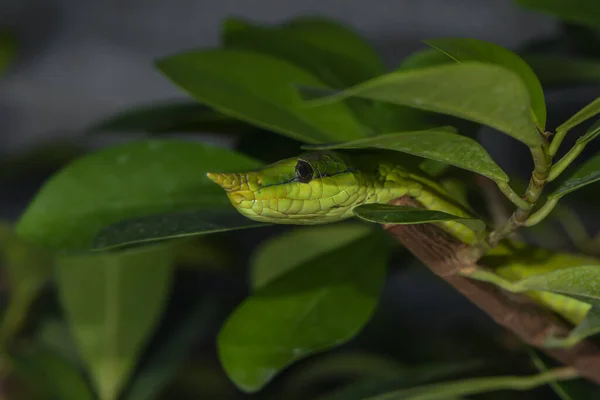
x=170 y=226
x=27 y=268
x=51 y=375
x=165 y=117
x=390 y=214
x=272 y=259
x=166 y=358
x=333 y=37
x=260 y=89
x=465 y=50
x=113 y=302
x=7 y=50
x=562 y=70
x=297 y=45
x=587 y=174
x=581 y=116
x=404 y=378
x=318 y=305
x=473 y=386
x=123 y=182
x=484 y=93
x=434 y=144
x=586 y=12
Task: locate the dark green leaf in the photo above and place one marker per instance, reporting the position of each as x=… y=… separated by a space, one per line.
x=585 y=12
x=51 y=375
x=170 y=226
x=557 y=69
x=272 y=260
x=259 y=89
x=333 y=37
x=434 y=144
x=126 y=181
x=389 y=214
x=8 y=48
x=297 y=45
x=464 y=50
x=165 y=360
x=581 y=116
x=484 y=93
x=591 y=134
x=587 y=174
x=318 y=305
x=113 y=302
x=165 y=117
x=467 y=387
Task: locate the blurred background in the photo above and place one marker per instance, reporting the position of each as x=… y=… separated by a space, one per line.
x=78 y=62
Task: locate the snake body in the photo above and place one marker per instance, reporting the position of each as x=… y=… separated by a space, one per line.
x=324 y=187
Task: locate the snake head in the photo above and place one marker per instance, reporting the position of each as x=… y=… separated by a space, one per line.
x=317 y=187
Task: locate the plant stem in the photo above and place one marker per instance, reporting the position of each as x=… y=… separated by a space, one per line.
x=542 y=213
x=565 y=161
x=556 y=141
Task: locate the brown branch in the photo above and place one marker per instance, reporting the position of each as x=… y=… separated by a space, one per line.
x=532 y=323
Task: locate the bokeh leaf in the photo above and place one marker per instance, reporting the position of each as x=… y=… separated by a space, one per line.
x=112 y=303
x=586 y=12
x=165 y=117
x=586 y=174
x=259 y=89
x=581 y=116
x=390 y=214
x=563 y=70
x=318 y=305
x=123 y=182
x=165 y=359
x=50 y=374
x=484 y=93
x=272 y=260
x=434 y=144
x=424 y=58
x=170 y=226
x=8 y=48
x=465 y=49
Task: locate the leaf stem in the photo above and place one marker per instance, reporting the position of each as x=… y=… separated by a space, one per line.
x=559 y=135
x=565 y=161
x=512 y=195
x=542 y=213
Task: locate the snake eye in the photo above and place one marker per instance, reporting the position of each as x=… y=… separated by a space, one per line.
x=304 y=171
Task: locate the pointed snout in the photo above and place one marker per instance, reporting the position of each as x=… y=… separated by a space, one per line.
x=229 y=182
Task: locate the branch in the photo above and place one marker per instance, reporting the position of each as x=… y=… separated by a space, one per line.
x=532 y=323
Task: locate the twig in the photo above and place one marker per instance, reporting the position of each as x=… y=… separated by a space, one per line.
x=532 y=323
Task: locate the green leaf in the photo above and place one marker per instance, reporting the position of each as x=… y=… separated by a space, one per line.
x=587 y=174
x=463 y=49
x=581 y=116
x=8 y=48
x=424 y=58
x=588 y=327
x=591 y=134
x=165 y=359
x=466 y=387
x=484 y=93
x=297 y=44
x=51 y=375
x=259 y=89
x=113 y=302
x=170 y=226
x=319 y=305
x=272 y=260
x=333 y=37
x=27 y=268
x=390 y=214
x=585 y=12
x=122 y=182
x=557 y=69
x=434 y=144
x=166 y=117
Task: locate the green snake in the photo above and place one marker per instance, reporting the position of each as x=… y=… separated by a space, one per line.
x=325 y=186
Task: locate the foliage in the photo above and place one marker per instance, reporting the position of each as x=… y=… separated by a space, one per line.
x=129 y=262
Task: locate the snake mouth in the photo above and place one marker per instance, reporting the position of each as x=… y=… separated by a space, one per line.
x=229 y=182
